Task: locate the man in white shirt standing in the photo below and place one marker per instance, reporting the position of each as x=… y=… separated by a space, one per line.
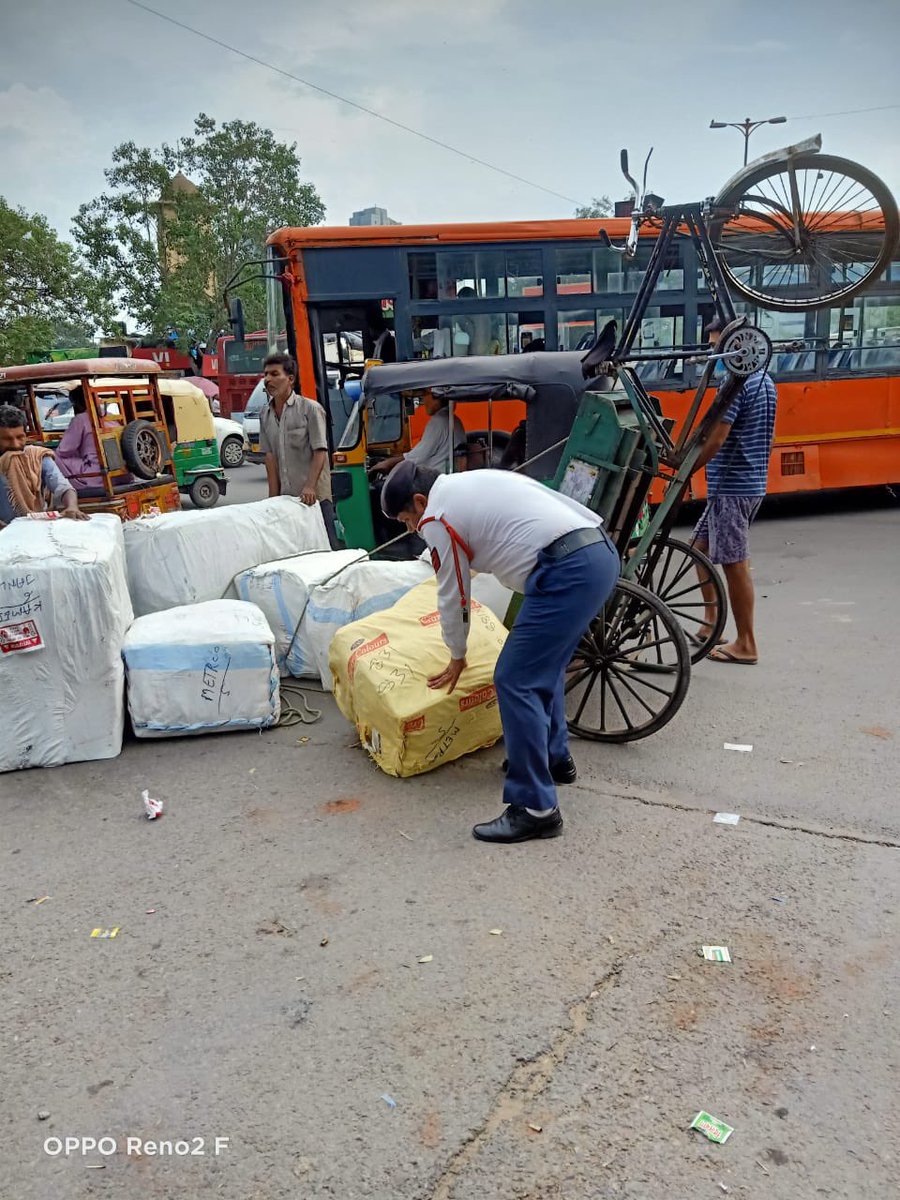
x=553 y=551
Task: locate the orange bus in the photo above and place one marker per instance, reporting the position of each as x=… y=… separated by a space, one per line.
x=414 y=291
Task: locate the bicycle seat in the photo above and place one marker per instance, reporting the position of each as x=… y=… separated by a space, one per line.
x=601 y=350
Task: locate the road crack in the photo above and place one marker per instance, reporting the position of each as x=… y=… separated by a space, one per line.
x=526 y=1081
x=770 y=822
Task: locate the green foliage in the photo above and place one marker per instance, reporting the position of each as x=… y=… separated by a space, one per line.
x=600 y=206
x=176 y=222
x=41 y=283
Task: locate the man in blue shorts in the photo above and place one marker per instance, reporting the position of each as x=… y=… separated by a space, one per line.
x=736 y=457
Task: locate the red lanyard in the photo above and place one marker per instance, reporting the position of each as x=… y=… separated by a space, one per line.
x=455 y=540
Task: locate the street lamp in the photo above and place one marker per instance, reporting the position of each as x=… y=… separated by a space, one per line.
x=746 y=127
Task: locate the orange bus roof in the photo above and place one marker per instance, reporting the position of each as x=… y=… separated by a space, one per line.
x=476 y=232
x=53 y=372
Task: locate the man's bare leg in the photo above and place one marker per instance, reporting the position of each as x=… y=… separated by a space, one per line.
x=708 y=591
x=741 y=597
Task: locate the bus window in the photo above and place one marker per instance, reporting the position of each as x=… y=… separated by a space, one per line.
x=470 y=275
x=524 y=273
x=572 y=328
x=573 y=272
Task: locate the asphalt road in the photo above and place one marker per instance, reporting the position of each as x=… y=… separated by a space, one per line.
x=273 y=996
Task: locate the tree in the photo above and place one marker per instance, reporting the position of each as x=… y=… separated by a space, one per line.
x=41 y=285
x=600 y=206
x=176 y=222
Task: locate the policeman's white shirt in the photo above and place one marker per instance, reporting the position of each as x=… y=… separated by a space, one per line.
x=505 y=520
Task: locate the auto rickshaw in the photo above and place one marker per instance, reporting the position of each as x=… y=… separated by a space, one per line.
x=195 y=451
x=492 y=394
x=125 y=430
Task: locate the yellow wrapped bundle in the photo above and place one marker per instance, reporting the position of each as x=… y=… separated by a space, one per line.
x=381 y=666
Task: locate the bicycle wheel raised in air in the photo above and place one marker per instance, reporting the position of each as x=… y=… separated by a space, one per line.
x=677 y=572
x=805 y=232
x=631 y=670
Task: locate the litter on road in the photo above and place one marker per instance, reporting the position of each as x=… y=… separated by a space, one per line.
x=426 y=958
x=737 y=746
x=712 y=1127
x=389 y=1100
x=726 y=818
x=716 y=953
x=495 y=932
x=38 y=900
x=153 y=808
x=105 y=933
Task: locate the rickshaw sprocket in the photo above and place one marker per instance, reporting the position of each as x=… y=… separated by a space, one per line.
x=749 y=349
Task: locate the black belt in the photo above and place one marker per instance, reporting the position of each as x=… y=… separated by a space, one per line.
x=568 y=543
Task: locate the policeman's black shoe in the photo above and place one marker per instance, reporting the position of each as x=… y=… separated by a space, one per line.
x=518 y=825
x=563 y=771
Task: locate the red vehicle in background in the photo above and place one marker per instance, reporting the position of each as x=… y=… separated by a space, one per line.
x=237 y=367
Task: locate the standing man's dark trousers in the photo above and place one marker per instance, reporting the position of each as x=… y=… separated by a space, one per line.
x=563 y=594
x=334 y=541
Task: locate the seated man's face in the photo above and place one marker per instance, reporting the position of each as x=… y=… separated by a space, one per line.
x=12 y=439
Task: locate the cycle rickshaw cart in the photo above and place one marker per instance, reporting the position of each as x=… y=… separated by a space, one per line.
x=794 y=230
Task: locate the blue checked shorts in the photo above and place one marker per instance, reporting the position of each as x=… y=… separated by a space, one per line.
x=725 y=527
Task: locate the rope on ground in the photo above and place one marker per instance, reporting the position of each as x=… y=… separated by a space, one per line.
x=295 y=708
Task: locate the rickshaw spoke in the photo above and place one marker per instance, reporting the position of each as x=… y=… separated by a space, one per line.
x=640 y=699
x=586 y=696
x=636 y=677
x=628 y=721
x=624 y=655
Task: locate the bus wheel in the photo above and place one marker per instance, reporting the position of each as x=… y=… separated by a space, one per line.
x=204 y=492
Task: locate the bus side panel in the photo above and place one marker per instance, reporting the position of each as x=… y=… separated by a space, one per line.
x=829 y=433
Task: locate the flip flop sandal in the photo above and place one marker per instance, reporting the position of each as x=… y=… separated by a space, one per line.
x=726 y=657
x=696 y=640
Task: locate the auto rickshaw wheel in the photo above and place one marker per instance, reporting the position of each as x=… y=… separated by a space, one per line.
x=141 y=449
x=204 y=492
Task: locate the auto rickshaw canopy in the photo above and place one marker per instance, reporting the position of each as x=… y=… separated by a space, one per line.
x=193 y=416
x=550 y=384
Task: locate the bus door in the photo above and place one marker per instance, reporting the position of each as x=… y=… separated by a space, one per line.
x=344 y=336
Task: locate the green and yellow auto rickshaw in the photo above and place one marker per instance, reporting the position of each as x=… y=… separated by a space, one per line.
x=195 y=451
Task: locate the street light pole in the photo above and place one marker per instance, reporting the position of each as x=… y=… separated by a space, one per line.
x=746 y=127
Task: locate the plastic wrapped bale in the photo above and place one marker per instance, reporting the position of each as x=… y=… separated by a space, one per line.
x=363 y=589
x=489 y=591
x=201 y=668
x=381 y=666
x=64 y=610
x=188 y=557
x=282 y=590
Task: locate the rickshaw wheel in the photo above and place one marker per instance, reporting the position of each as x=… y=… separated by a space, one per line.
x=673 y=571
x=630 y=673
x=141 y=450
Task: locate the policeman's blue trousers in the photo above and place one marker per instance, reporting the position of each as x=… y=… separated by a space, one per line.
x=562 y=596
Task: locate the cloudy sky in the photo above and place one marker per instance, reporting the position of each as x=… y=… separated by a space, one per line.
x=545 y=89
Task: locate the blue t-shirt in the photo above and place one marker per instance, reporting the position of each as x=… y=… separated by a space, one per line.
x=741 y=467
x=52 y=480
